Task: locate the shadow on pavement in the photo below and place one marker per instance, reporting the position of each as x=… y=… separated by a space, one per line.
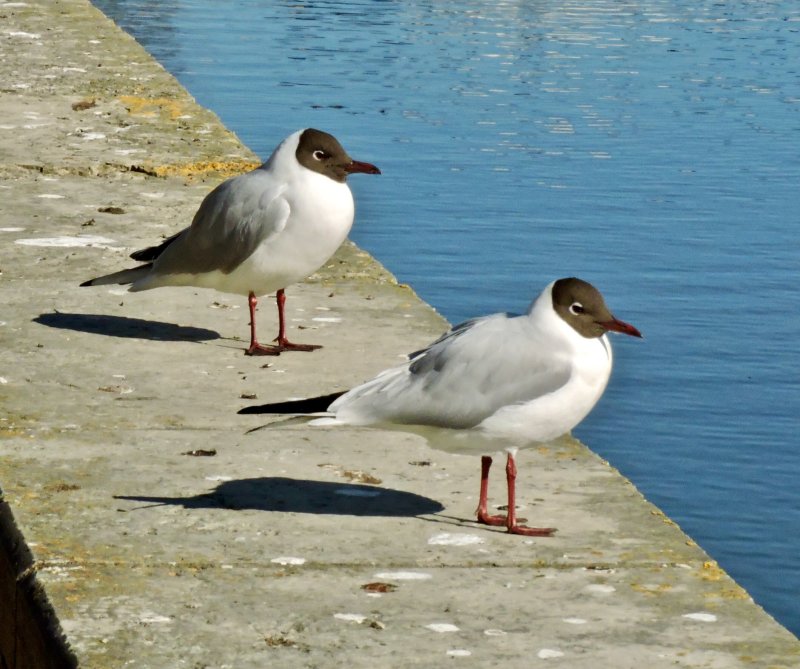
x=121 y=326
x=303 y=496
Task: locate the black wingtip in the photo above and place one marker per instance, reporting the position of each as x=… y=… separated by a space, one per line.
x=152 y=252
x=86 y=283
x=305 y=406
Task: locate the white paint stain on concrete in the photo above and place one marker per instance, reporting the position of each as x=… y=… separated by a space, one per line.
x=450 y=539
x=92 y=241
x=701 y=617
x=442 y=628
x=600 y=589
x=150 y=618
x=350 y=617
x=549 y=653
x=22 y=33
x=288 y=560
x=459 y=652
x=404 y=575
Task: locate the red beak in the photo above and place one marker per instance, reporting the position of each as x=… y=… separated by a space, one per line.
x=364 y=168
x=621 y=326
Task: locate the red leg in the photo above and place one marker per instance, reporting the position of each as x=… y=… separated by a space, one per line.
x=511 y=519
x=256 y=348
x=483 y=513
x=283 y=343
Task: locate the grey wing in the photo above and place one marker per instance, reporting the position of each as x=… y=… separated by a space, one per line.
x=460 y=379
x=396 y=393
x=232 y=221
x=491 y=362
x=423 y=358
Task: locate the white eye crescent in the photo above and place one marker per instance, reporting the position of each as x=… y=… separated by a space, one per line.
x=319 y=154
x=576 y=308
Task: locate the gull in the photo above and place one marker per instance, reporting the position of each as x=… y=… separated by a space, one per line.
x=527 y=378
x=261 y=231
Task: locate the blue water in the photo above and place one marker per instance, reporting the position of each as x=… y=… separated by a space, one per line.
x=650 y=147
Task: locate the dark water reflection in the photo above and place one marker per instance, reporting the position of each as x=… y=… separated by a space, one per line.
x=649 y=146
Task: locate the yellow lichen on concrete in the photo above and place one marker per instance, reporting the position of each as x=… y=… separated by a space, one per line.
x=711 y=571
x=734 y=592
x=140 y=106
x=666 y=519
x=651 y=589
x=17 y=425
x=205 y=167
x=8 y=431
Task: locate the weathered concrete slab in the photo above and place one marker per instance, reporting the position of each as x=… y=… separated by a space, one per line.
x=291 y=546
x=80 y=95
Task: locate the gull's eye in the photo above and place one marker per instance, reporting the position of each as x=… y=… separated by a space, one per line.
x=576 y=308
x=319 y=154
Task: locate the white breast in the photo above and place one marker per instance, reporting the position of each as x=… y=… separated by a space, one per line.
x=555 y=413
x=320 y=218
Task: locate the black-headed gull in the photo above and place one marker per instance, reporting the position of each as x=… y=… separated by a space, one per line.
x=261 y=231
x=528 y=378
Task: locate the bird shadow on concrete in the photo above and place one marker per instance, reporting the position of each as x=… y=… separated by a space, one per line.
x=122 y=326
x=288 y=495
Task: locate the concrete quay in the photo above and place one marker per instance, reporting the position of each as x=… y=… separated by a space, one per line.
x=122 y=545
